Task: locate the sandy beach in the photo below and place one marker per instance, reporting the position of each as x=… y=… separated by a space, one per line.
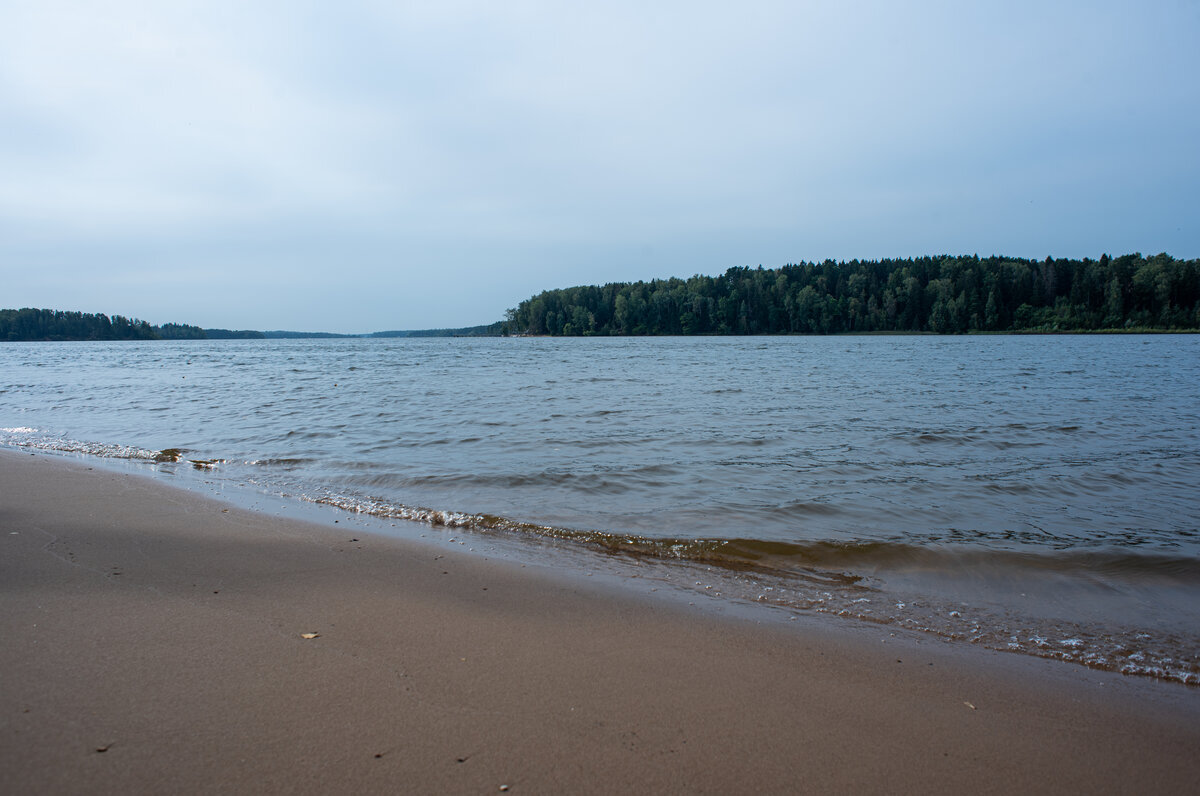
x=153 y=640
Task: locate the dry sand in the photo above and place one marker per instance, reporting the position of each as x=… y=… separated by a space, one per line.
x=150 y=642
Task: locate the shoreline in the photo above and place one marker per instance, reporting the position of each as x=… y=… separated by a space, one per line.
x=164 y=627
x=309 y=336
x=993 y=599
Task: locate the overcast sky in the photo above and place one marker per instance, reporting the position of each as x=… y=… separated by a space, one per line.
x=360 y=166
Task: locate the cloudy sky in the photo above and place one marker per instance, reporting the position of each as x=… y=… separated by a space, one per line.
x=359 y=166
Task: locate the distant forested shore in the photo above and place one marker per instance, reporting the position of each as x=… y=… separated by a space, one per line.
x=29 y=325
x=942 y=294
x=42 y=325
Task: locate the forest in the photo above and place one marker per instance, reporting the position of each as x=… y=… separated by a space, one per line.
x=489 y=330
x=944 y=294
x=30 y=324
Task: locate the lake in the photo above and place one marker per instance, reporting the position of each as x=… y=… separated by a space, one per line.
x=1030 y=493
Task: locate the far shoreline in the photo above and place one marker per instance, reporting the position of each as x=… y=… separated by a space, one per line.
x=706 y=336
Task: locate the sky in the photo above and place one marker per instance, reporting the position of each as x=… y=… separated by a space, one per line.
x=364 y=166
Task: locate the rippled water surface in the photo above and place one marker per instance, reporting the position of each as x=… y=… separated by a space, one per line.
x=1029 y=493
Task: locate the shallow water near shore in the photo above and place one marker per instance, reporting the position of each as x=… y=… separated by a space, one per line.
x=1036 y=494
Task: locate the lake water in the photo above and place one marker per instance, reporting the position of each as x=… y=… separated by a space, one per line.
x=1036 y=494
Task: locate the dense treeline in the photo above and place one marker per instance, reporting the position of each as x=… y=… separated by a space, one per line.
x=927 y=294
x=281 y=334
x=234 y=334
x=36 y=325
x=496 y=329
x=180 y=331
x=31 y=324
x=57 y=325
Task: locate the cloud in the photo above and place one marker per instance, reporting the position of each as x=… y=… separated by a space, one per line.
x=389 y=143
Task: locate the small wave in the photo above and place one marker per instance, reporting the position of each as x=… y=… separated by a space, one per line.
x=308 y=435
x=806 y=557
x=1009 y=489
x=607 y=443
x=1112 y=564
x=285 y=462
x=32 y=439
x=613 y=481
x=957 y=439
x=810 y=508
x=733 y=554
x=1009 y=435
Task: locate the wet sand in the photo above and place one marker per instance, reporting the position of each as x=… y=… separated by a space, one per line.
x=151 y=641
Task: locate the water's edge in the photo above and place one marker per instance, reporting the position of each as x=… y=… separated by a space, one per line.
x=1073 y=606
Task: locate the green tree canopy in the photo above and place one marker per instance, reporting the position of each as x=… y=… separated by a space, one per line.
x=944 y=294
